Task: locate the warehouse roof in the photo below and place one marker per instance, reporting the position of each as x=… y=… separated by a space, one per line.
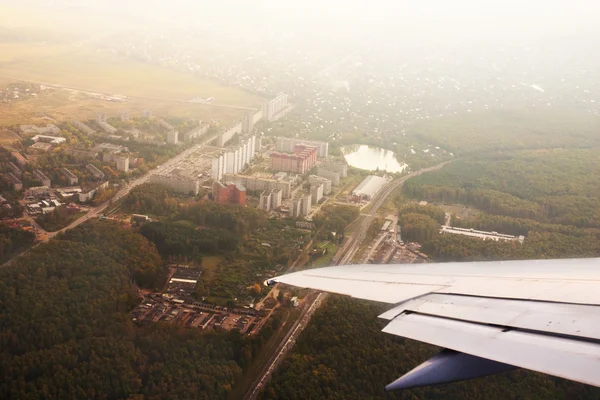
x=370 y=186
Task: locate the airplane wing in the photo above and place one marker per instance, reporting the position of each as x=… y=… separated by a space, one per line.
x=542 y=315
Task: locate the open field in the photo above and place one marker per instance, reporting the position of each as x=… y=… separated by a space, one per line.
x=105 y=72
x=64 y=105
x=209 y=264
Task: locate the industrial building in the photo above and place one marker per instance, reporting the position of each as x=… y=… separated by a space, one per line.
x=258 y=183
x=42 y=178
x=333 y=176
x=480 y=234
x=48 y=139
x=316 y=193
x=303 y=159
x=369 y=187
x=235 y=160
x=316 y=180
x=96 y=173
x=286 y=145
x=229 y=192
x=71 y=177
x=178 y=184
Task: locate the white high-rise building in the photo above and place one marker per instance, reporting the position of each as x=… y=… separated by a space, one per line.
x=218 y=167
x=232 y=161
x=316 y=193
x=172 y=137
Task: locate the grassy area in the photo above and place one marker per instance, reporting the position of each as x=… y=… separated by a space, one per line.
x=325 y=260
x=209 y=266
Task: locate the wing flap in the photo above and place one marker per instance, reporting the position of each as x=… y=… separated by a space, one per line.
x=553 y=318
x=563 y=357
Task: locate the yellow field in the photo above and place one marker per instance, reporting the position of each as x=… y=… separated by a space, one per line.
x=108 y=73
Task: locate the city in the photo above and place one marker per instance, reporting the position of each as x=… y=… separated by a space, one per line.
x=160 y=165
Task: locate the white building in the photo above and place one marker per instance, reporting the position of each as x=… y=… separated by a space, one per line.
x=340 y=168
x=276 y=198
x=42 y=178
x=369 y=187
x=235 y=160
x=265 y=201
x=71 y=177
x=48 y=139
x=122 y=163
x=89 y=195
x=178 y=184
x=316 y=193
x=172 y=137
x=218 y=167
x=286 y=145
x=315 y=180
x=305 y=204
x=333 y=176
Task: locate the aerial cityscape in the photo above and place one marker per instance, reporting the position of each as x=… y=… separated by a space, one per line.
x=161 y=161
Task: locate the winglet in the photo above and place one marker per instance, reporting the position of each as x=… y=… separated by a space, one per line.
x=448 y=366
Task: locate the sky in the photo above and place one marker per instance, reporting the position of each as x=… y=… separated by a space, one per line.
x=422 y=18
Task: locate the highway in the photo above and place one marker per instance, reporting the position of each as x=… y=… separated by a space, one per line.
x=311 y=305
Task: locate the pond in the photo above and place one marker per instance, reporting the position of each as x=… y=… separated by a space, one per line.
x=371 y=158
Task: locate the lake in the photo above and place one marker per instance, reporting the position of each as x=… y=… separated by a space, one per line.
x=372 y=158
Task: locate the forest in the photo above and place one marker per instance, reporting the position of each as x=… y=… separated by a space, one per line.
x=509 y=130
x=550 y=186
x=549 y=196
x=247 y=245
x=65 y=330
x=13 y=241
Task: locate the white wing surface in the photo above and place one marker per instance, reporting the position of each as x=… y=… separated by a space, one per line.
x=542 y=315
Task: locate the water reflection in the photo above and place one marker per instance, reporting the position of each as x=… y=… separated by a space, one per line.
x=372 y=158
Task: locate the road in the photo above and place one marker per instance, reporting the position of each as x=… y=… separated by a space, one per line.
x=362 y=224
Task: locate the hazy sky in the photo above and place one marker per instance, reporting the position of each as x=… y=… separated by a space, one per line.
x=506 y=18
